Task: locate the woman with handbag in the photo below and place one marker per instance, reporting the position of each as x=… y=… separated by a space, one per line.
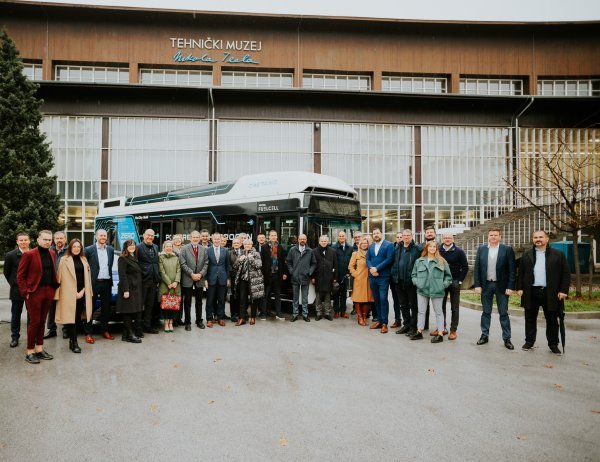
x=129 y=300
x=169 y=289
x=362 y=298
x=249 y=282
x=74 y=296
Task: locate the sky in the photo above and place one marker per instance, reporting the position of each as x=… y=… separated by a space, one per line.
x=442 y=10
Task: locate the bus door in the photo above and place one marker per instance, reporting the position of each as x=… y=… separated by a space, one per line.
x=288 y=231
x=163 y=230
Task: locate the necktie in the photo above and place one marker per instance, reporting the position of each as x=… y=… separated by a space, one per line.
x=195 y=248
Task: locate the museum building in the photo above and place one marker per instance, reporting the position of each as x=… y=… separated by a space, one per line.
x=426 y=120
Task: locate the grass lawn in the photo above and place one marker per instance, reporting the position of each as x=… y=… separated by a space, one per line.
x=571 y=304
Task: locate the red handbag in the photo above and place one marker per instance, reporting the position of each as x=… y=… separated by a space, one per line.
x=170 y=302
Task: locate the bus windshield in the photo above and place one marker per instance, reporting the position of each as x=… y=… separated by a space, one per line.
x=319 y=226
x=119 y=229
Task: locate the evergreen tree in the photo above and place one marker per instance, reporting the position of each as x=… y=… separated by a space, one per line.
x=28 y=202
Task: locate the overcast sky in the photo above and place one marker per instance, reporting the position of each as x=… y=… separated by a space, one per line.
x=461 y=10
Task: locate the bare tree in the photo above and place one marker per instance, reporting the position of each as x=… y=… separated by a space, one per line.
x=564 y=185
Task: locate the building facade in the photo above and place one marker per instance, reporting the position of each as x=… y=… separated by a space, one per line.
x=426 y=120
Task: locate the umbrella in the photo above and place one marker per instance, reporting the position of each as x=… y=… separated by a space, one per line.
x=561 y=319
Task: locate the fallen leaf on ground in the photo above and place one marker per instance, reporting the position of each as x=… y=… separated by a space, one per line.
x=153 y=408
x=290 y=365
x=2 y=445
x=522 y=438
x=593 y=337
x=211 y=401
x=175 y=366
x=99 y=409
x=283 y=441
x=596 y=411
x=216 y=360
x=558 y=386
x=548 y=366
x=431 y=370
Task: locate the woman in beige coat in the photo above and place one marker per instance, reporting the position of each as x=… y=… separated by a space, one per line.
x=74 y=296
x=361 y=290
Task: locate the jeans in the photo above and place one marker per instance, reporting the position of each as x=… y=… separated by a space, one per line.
x=538 y=298
x=407 y=298
x=454 y=291
x=380 y=287
x=16 y=309
x=297 y=289
x=323 y=303
x=487 y=297
x=423 y=302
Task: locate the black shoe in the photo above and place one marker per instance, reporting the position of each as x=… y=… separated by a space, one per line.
x=319 y=317
x=482 y=340
x=188 y=327
x=294 y=318
x=417 y=336
x=437 y=339
x=139 y=334
x=410 y=332
x=50 y=334
x=200 y=324
x=131 y=339
x=74 y=347
x=44 y=355
x=329 y=318
x=554 y=349
x=508 y=344
x=353 y=312
x=234 y=320
x=305 y=318
x=32 y=358
x=403 y=330
x=150 y=330
x=14 y=343
x=226 y=318
x=527 y=346
x=65 y=334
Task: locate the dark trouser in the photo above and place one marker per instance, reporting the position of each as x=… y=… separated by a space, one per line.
x=407 y=298
x=339 y=299
x=274 y=288
x=487 y=297
x=539 y=298
x=397 y=316
x=189 y=293
x=234 y=303
x=297 y=290
x=38 y=305
x=454 y=291
x=264 y=304
x=127 y=318
x=16 y=309
x=71 y=329
x=103 y=291
x=215 y=302
x=149 y=292
x=380 y=287
x=323 y=303
x=244 y=293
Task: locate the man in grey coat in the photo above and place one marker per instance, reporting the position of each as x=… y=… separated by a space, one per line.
x=194 y=265
x=301 y=264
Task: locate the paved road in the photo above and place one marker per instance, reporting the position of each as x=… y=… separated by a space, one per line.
x=318 y=391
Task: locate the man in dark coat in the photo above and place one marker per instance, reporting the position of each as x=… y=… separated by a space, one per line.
x=544 y=279
x=405 y=256
x=11 y=265
x=301 y=264
x=459 y=267
x=344 y=253
x=277 y=276
x=148 y=260
x=262 y=247
x=326 y=273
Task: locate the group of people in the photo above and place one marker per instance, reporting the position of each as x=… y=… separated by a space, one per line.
x=59 y=283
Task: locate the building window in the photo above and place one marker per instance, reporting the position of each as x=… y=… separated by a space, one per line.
x=97 y=74
x=33 y=71
x=408 y=84
x=176 y=77
x=239 y=79
x=568 y=87
x=491 y=87
x=337 y=81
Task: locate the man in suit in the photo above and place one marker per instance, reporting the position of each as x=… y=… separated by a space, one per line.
x=494 y=274
x=264 y=251
x=217 y=281
x=301 y=263
x=194 y=265
x=36 y=278
x=277 y=275
x=100 y=257
x=148 y=260
x=544 y=280
x=380 y=257
x=59 y=247
x=343 y=253
x=11 y=265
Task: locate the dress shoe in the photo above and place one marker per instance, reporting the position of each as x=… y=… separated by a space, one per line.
x=452 y=335
x=527 y=346
x=437 y=339
x=328 y=317
x=107 y=335
x=444 y=332
x=417 y=336
x=396 y=324
x=403 y=330
x=336 y=315
x=65 y=334
x=294 y=318
x=150 y=330
x=226 y=318
x=240 y=322
x=188 y=327
x=508 y=344
x=74 y=347
x=410 y=333
x=384 y=329
x=554 y=349
x=305 y=318
x=200 y=324
x=433 y=333
x=344 y=315
x=89 y=339
x=376 y=325
x=139 y=334
x=252 y=321
x=482 y=340
x=44 y=355
x=50 y=334
x=209 y=324
x=32 y=358
x=318 y=317
x=221 y=323
x=14 y=343
x=131 y=339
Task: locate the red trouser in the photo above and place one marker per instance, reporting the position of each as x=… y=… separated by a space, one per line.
x=38 y=304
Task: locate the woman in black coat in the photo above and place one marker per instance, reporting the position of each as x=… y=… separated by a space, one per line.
x=129 y=301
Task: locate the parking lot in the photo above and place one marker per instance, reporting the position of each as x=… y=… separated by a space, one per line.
x=303 y=391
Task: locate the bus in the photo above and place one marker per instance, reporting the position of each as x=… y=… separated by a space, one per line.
x=291 y=203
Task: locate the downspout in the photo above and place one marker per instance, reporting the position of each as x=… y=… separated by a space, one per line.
x=514 y=125
x=213 y=129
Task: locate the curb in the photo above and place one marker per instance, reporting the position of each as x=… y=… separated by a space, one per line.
x=521 y=312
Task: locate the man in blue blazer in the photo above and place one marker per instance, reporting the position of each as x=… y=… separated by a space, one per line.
x=495 y=274
x=380 y=257
x=100 y=257
x=216 y=282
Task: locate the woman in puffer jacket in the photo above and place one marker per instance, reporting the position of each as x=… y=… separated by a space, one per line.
x=249 y=282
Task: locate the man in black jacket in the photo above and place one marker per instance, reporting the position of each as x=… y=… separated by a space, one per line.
x=344 y=253
x=324 y=276
x=405 y=256
x=11 y=265
x=148 y=259
x=544 y=279
x=277 y=276
x=459 y=267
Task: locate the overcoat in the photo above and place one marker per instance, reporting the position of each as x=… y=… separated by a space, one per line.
x=130 y=280
x=66 y=294
x=327 y=269
x=169 y=269
x=361 y=289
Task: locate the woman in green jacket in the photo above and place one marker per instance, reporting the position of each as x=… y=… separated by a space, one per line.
x=170 y=276
x=431 y=275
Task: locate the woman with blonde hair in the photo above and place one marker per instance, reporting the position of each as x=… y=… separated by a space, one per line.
x=361 y=289
x=74 y=296
x=431 y=275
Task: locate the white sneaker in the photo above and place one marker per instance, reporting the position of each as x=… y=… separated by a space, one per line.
x=280 y=318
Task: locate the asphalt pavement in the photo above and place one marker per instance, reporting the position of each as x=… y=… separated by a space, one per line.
x=302 y=392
